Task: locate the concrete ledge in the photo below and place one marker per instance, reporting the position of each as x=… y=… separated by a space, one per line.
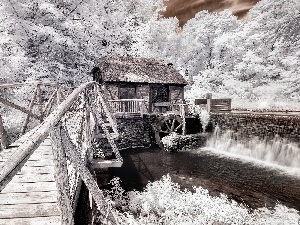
x=106 y=163
x=264 y=126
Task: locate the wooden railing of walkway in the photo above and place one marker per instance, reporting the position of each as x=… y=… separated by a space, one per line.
x=39 y=106
x=71 y=128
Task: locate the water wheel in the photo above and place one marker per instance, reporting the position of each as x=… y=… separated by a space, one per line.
x=167 y=124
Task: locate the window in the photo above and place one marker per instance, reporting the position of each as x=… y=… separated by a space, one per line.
x=127 y=91
x=160 y=93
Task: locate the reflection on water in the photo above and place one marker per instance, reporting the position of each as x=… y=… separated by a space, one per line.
x=278 y=151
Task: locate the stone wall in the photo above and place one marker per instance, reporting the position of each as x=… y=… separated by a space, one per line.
x=263 y=126
x=175 y=143
x=134 y=132
x=138 y=132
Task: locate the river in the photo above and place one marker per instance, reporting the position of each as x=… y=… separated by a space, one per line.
x=254 y=182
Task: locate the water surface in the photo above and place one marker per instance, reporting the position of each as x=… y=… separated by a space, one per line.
x=254 y=183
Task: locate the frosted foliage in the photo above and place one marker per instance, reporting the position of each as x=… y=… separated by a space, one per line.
x=254 y=62
x=162 y=202
x=169 y=139
x=278 y=151
x=61 y=40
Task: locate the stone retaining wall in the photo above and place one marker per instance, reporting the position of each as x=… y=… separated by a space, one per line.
x=134 y=132
x=263 y=126
x=138 y=132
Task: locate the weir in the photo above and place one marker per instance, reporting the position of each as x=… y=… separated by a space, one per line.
x=277 y=151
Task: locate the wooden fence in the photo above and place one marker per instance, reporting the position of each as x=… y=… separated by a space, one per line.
x=215 y=105
x=39 y=107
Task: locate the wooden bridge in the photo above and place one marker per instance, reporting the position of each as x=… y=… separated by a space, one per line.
x=41 y=174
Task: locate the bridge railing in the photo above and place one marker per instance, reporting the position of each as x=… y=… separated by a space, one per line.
x=71 y=128
x=41 y=98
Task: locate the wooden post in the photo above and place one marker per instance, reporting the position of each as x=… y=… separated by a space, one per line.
x=22 y=109
x=39 y=100
x=31 y=104
x=49 y=104
x=73 y=155
x=229 y=105
x=3 y=137
x=208 y=104
x=61 y=94
x=88 y=130
x=182 y=114
x=58 y=94
x=142 y=109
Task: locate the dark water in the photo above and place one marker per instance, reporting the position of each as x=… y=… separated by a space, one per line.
x=253 y=185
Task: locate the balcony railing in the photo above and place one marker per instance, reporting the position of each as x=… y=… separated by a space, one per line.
x=130 y=106
x=138 y=106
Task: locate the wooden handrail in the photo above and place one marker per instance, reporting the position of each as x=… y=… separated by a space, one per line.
x=22 y=109
x=36 y=101
x=17 y=160
x=23 y=152
x=28 y=84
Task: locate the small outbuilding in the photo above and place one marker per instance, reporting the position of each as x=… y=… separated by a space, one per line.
x=129 y=80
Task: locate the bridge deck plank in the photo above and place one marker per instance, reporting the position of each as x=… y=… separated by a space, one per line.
x=36 y=210
x=31 y=196
x=51 y=220
x=17 y=187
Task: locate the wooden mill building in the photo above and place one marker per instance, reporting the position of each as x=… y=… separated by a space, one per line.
x=129 y=81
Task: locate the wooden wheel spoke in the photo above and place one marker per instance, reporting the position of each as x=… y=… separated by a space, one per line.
x=164 y=131
x=173 y=124
x=161 y=130
x=179 y=126
x=168 y=126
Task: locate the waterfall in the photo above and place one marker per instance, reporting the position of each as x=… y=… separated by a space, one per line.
x=277 y=151
x=204 y=118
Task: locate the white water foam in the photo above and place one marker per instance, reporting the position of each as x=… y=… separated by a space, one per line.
x=278 y=152
x=204 y=118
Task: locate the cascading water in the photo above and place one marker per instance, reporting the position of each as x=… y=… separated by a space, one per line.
x=204 y=118
x=278 y=151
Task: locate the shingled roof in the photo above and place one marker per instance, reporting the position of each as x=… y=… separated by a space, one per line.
x=138 y=70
